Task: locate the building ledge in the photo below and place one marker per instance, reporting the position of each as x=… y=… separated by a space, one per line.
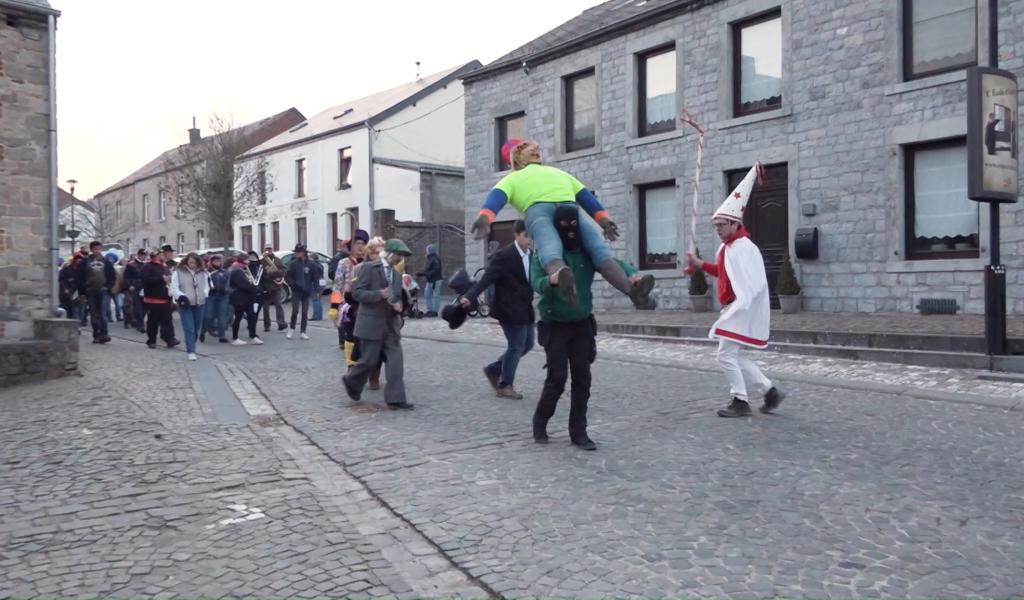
x=785 y=111
x=925 y=83
x=935 y=266
x=653 y=139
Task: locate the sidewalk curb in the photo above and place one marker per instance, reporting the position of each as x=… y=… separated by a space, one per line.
x=1006 y=403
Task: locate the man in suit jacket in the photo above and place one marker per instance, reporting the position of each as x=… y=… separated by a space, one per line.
x=378 y=291
x=512 y=307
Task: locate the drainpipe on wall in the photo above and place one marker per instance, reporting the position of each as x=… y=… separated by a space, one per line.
x=369 y=221
x=51 y=59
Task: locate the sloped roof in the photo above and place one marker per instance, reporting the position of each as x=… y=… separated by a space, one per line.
x=356 y=113
x=65 y=199
x=593 y=25
x=36 y=6
x=159 y=164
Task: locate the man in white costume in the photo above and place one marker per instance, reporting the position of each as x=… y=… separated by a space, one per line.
x=742 y=289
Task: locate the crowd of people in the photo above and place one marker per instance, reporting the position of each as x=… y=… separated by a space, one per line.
x=212 y=294
x=554 y=255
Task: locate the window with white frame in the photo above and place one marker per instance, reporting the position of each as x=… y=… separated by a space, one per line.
x=161 y=213
x=180 y=243
x=201 y=239
x=345 y=168
x=145 y=208
x=300 y=178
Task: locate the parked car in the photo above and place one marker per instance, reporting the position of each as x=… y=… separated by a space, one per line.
x=288 y=256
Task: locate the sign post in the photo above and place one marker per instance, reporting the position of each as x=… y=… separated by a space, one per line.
x=992 y=176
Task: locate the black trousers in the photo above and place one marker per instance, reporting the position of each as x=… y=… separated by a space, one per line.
x=300 y=300
x=247 y=312
x=569 y=349
x=159 y=316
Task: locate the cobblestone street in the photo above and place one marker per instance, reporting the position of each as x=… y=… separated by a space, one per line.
x=250 y=473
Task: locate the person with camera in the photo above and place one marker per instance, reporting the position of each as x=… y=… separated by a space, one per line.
x=190 y=286
x=156 y=279
x=246 y=294
x=272 y=281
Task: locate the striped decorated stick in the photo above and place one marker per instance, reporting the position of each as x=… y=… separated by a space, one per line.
x=688 y=119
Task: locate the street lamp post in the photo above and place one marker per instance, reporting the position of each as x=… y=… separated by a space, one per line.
x=73 y=232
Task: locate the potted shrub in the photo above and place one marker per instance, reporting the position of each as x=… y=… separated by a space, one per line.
x=700 y=297
x=788 y=288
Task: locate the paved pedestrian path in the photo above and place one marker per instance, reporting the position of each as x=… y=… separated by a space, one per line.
x=908 y=323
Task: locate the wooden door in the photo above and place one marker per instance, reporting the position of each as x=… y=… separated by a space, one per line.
x=767 y=219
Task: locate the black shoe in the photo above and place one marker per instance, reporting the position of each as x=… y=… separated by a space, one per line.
x=224 y=341
x=641 y=293
x=491 y=378
x=141 y=330
x=772 y=400
x=350 y=389
x=584 y=443
x=282 y=327
x=173 y=343
x=151 y=345
x=540 y=431
x=266 y=329
x=202 y=337
x=402 y=406
x=103 y=339
x=736 y=408
x=96 y=340
x=567 y=283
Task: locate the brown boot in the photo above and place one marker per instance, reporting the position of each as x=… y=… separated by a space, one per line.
x=375 y=379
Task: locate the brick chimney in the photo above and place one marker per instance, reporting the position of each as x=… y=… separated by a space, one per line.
x=193 y=134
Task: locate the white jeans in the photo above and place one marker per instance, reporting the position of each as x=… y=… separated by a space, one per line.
x=741 y=372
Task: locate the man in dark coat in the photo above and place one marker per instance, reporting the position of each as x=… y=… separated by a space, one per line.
x=96 y=278
x=512 y=307
x=156 y=280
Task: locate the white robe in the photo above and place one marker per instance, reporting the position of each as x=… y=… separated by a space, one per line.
x=746 y=319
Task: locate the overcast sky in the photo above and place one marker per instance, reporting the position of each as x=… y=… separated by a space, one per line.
x=132 y=73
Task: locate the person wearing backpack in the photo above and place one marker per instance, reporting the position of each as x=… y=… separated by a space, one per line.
x=217 y=306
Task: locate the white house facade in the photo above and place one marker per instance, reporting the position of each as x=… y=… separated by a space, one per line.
x=367 y=155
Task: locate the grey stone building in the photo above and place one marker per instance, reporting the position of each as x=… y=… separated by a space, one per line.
x=33 y=344
x=857 y=107
x=143 y=210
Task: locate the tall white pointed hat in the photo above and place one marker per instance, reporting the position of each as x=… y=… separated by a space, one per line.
x=736 y=202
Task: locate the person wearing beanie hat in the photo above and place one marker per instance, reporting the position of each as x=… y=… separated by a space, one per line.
x=378 y=289
x=567 y=332
x=341 y=295
x=536 y=190
x=742 y=288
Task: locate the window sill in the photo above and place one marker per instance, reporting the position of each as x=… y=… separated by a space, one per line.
x=926 y=82
x=785 y=111
x=567 y=156
x=943 y=265
x=653 y=139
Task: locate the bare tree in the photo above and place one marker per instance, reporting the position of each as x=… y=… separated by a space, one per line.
x=108 y=223
x=211 y=186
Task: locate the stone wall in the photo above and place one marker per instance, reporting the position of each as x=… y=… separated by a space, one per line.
x=24 y=178
x=52 y=353
x=847 y=117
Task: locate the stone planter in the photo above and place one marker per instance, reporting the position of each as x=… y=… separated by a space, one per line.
x=791 y=304
x=700 y=303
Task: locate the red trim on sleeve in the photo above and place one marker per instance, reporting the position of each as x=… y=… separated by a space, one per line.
x=488 y=213
x=601 y=214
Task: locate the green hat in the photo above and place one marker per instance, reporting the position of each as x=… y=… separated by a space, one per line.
x=397 y=246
